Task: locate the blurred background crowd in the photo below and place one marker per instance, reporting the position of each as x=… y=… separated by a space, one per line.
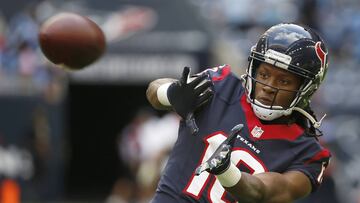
x=91 y=136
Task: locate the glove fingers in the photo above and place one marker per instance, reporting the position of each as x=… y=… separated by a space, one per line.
x=198 y=80
x=220 y=160
x=204 y=98
x=185 y=75
x=201 y=88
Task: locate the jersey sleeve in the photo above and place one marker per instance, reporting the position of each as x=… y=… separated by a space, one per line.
x=312 y=161
x=218 y=73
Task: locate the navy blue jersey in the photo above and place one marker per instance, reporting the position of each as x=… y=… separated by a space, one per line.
x=259 y=148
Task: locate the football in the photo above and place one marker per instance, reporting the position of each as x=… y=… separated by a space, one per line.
x=71 y=41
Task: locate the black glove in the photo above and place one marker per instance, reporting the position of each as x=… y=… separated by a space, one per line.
x=186 y=96
x=219 y=162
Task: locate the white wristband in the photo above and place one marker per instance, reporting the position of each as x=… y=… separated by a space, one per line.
x=162 y=94
x=230 y=177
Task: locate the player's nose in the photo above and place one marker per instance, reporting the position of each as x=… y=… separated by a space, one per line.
x=268 y=88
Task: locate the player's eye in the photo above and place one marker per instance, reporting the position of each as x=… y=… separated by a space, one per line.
x=284 y=81
x=263 y=75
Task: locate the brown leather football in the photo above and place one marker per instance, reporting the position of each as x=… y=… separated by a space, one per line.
x=71 y=40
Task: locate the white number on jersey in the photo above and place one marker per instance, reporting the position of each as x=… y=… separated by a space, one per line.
x=238 y=157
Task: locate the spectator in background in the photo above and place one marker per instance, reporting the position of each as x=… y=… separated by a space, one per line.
x=143 y=146
x=21 y=35
x=21 y=62
x=2 y=40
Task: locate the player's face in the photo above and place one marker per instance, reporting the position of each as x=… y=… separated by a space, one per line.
x=275 y=86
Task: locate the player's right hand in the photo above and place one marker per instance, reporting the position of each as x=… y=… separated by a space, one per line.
x=219 y=161
x=186 y=95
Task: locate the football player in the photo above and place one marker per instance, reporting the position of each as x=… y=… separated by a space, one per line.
x=251 y=139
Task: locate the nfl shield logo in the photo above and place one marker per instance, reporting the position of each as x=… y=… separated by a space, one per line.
x=257 y=132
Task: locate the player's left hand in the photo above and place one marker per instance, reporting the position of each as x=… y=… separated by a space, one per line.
x=186 y=95
x=219 y=162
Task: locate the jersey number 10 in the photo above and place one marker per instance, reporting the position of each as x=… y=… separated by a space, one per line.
x=216 y=191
